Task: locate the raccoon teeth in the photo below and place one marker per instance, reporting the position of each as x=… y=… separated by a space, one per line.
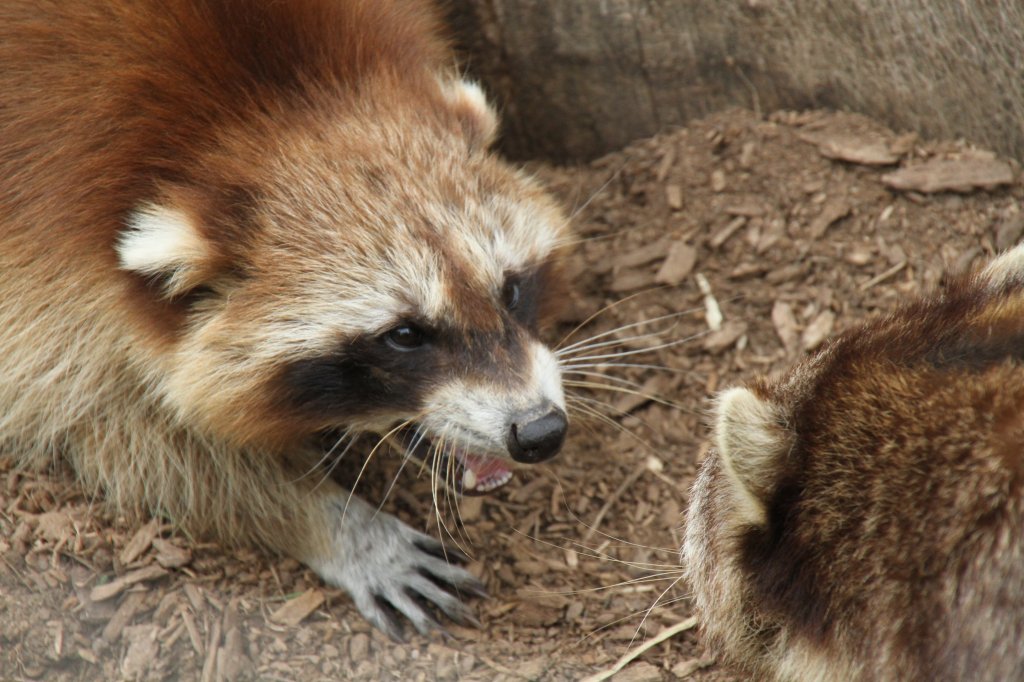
x=468 y=479
x=496 y=483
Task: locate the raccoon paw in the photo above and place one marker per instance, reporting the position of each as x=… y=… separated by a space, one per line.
x=392 y=571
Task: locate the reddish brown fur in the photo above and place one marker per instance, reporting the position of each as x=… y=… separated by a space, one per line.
x=124 y=119
x=892 y=545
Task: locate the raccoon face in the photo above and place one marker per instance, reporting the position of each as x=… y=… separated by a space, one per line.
x=388 y=275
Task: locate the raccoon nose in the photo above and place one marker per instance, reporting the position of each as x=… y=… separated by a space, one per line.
x=532 y=440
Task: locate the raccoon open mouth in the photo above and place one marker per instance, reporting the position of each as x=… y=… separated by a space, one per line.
x=475 y=474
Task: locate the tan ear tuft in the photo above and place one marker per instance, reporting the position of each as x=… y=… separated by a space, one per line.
x=752 y=438
x=164 y=242
x=479 y=120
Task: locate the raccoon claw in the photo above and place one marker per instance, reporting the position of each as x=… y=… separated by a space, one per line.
x=395 y=573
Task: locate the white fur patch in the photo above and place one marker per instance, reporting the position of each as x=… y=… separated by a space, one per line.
x=749 y=440
x=1007 y=268
x=162 y=241
x=547 y=375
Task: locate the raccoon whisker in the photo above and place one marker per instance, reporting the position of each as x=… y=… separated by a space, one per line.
x=601 y=375
x=621 y=389
x=579 y=404
x=601 y=365
x=653 y=606
x=334 y=464
x=380 y=441
x=586 y=411
x=586 y=348
x=597 y=192
x=639 y=581
x=316 y=466
x=649 y=349
x=586 y=408
x=590 y=553
x=595 y=631
x=602 y=311
x=560 y=349
x=675 y=600
x=437 y=477
x=391 y=486
x=447 y=454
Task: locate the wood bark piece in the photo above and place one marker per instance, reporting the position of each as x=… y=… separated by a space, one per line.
x=296 y=610
x=833 y=211
x=818 y=330
x=170 y=555
x=951 y=175
x=866 y=151
x=677 y=265
x=119 y=585
x=140 y=542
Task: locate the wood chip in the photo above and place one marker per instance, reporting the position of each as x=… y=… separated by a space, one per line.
x=140 y=542
x=296 y=610
x=640 y=672
x=818 y=330
x=748 y=208
x=712 y=311
x=684 y=669
x=642 y=255
x=124 y=614
x=785 y=325
x=858 y=254
x=718 y=180
x=722 y=236
x=119 y=585
x=863 y=150
x=359 y=647
x=1009 y=231
x=832 y=211
x=192 y=629
x=724 y=338
x=678 y=264
x=232 y=663
x=630 y=280
x=674 y=196
x=54 y=526
x=951 y=175
x=142 y=650
x=170 y=555
x=877 y=279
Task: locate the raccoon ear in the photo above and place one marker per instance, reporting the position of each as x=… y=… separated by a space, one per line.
x=470 y=104
x=752 y=437
x=1006 y=269
x=164 y=243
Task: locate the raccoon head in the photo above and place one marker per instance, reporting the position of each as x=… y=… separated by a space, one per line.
x=370 y=267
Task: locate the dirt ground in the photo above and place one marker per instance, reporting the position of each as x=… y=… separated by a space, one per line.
x=795 y=228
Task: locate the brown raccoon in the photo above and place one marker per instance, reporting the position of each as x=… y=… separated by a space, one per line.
x=862 y=516
x=230 y=226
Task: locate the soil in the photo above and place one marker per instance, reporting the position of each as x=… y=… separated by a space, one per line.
x=788 y=224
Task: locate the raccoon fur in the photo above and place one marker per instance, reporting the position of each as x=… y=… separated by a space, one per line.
x=228 y=227
x=861 y=517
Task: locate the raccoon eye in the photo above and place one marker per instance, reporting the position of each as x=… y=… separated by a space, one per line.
x=510 y=294
x=404 y=337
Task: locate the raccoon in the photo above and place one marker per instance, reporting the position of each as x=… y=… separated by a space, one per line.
x=229 y=227
x=861 y=517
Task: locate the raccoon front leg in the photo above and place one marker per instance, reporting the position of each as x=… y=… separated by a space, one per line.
x=391 y=569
